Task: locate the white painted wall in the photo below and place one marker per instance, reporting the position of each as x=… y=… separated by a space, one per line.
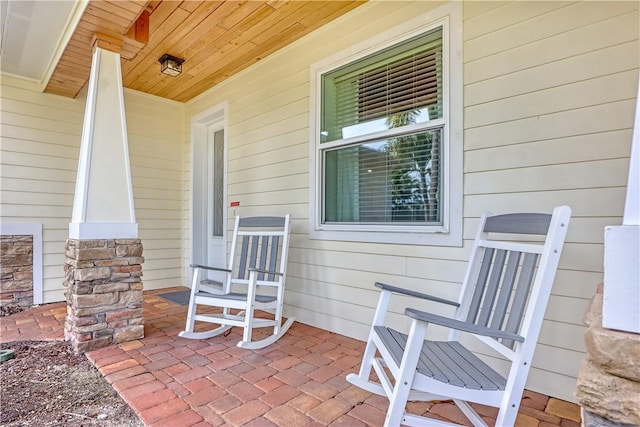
x=549 y=93
x=40 y=142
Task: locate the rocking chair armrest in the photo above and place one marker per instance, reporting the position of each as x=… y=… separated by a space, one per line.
x=420 y=295
x=259 y=270
x=206 y=267
x=460 y=325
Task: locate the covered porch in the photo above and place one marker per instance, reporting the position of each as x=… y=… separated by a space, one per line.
x=298 y=381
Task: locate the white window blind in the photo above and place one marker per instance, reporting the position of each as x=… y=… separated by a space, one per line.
x=404 y=85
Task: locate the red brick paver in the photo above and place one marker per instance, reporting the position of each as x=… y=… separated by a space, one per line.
x=299 y=380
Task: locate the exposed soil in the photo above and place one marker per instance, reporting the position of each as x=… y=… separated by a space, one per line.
x=47 y=385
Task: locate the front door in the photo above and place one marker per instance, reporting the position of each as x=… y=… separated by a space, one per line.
x=208 y=213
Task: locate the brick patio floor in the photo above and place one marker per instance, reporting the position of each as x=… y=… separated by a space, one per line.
x=298 y=381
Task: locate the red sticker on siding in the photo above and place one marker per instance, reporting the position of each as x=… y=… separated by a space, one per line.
x=234 y=204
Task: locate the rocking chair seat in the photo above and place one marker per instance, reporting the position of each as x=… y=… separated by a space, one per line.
x=238 y=296
x=445 y=361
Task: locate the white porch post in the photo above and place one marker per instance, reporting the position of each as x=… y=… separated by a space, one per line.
x=621 y=306
x=103 y=203
x=103 y=256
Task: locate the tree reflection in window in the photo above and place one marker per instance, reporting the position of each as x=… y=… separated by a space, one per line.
x=414 y=163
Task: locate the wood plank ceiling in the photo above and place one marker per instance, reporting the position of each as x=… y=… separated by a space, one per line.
x=216 y=38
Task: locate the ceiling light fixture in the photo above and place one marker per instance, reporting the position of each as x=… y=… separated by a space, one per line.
x=170 y=65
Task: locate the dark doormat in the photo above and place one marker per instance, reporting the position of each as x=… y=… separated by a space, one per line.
x=178 y=297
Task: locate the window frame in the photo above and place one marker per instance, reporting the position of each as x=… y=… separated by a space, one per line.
x=449 y=17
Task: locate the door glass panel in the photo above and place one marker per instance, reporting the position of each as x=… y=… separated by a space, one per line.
x=218 y=183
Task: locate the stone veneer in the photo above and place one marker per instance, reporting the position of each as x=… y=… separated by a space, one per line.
x=608 y=386
x=16 y=287
x=104 y=292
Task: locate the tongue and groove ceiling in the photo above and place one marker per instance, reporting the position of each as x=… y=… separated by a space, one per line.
x=217 y=39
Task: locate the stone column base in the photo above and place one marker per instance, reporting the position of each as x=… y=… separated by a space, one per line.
x=608 y=385
x=104 y=292
x=589 y=419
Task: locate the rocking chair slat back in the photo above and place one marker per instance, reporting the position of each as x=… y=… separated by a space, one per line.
x=511 y=271
x=486 y=309
x=520 y=297
x=505 y=275
x=242 y=265
x=483 y=274
x=275 y=242
x=261 y=251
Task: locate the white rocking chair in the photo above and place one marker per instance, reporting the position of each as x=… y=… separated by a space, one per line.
x=502 y=304
x=254 y=280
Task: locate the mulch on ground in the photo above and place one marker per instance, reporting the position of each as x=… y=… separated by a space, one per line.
x=46 y=384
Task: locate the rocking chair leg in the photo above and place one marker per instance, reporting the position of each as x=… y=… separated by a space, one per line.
x=362 y=378
x=248 y=324
x=191 y=312
x=507 y=414
x=471 y=414
x=378 y=320
x=398 y=399
x=367 y=359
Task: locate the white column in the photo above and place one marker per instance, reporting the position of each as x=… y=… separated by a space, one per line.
x=621 y=306
x=103 y=203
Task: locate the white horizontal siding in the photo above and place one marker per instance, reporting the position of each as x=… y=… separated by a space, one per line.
x=588 y=120
x=592 y=202
x=40 y=148
x=569 y=70
x=570 y=96
x=602 y=33
x=512 y=25
x=571 y=149
x=488 y=17
x=39 y=155
x=548 y=114
x=601 y=173
x=155 y=132
x=549 y=99
x=17 y=118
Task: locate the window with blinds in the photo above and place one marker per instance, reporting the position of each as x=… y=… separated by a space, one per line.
x=396 y=178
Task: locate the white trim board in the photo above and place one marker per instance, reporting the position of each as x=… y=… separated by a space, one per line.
x=200 y=123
